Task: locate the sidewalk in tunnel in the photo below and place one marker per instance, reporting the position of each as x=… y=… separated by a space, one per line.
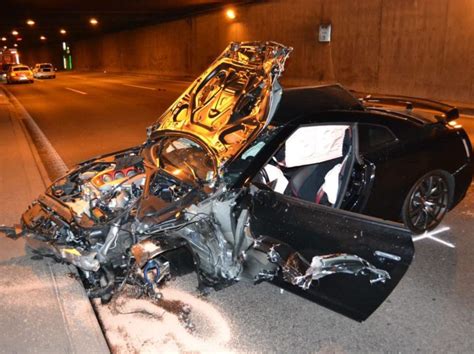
x=44 y=308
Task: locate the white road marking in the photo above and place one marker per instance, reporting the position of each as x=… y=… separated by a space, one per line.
x=142 y=87
x=54 y=161
x=77 y=91
x=431 y=237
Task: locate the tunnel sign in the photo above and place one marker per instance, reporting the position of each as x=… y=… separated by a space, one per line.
x=325 y=33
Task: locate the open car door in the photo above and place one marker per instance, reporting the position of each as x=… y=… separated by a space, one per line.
x=347 y=262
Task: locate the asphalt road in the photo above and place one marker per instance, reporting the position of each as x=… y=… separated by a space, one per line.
x=432 y=309
x=84 y=115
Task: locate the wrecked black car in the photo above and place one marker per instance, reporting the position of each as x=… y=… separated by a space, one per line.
x=241 y=180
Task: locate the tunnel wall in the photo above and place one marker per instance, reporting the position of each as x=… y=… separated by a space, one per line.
x=43 y=54
x=410 y=47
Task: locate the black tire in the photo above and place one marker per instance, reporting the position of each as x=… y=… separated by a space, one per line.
x=427 y=202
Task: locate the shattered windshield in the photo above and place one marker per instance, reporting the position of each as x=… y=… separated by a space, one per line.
x=184 y=158
x=235 y=169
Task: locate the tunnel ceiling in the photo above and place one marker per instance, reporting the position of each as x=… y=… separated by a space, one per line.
x=51 y=16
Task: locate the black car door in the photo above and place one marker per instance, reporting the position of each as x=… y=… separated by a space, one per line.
x=360 y=259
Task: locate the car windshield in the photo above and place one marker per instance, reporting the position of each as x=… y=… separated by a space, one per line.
x=185 y=159
x=21 y=68
x=235 y=169
x=46 y=66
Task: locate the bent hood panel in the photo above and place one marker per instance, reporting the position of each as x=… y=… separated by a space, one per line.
x=232 y=100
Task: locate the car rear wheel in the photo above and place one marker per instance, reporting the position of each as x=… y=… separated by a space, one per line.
x=427 y=202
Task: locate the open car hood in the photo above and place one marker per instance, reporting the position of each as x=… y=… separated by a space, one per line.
x=233 y=100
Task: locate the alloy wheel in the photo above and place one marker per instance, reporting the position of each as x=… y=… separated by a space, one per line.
x=428 y=203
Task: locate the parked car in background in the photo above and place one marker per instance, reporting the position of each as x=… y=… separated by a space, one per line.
x=44 y=71
x=19 y=73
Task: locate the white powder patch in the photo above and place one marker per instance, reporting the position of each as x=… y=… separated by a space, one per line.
x=138 y=325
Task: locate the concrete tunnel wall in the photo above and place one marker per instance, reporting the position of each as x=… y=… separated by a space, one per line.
x=411 y=47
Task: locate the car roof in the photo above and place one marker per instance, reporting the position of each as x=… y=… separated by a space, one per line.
x=304 y=101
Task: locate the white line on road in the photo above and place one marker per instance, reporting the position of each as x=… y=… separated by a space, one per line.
x=430 y=236
x=54 y=161
x=142 y=87
x=77 y=91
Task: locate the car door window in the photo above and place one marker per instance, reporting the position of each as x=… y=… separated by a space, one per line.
x=373 y=137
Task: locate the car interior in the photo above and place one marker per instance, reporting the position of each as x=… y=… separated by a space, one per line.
x=314 y=164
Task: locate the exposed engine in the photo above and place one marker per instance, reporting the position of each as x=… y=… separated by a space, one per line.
x=100 y=218
x=102 y=194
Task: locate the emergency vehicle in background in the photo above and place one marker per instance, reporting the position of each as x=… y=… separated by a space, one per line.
x=8 y=57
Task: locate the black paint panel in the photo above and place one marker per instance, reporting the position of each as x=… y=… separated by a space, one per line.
x=317 y=230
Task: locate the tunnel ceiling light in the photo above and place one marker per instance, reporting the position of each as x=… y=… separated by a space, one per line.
x=4 y=47
x=93 y=21
x=15 y=32
x=30 y=22
x=4 y=39
x=15 y=45
x=230 y=14
x=62 y=31
x=43 y=38
x=19 y=39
